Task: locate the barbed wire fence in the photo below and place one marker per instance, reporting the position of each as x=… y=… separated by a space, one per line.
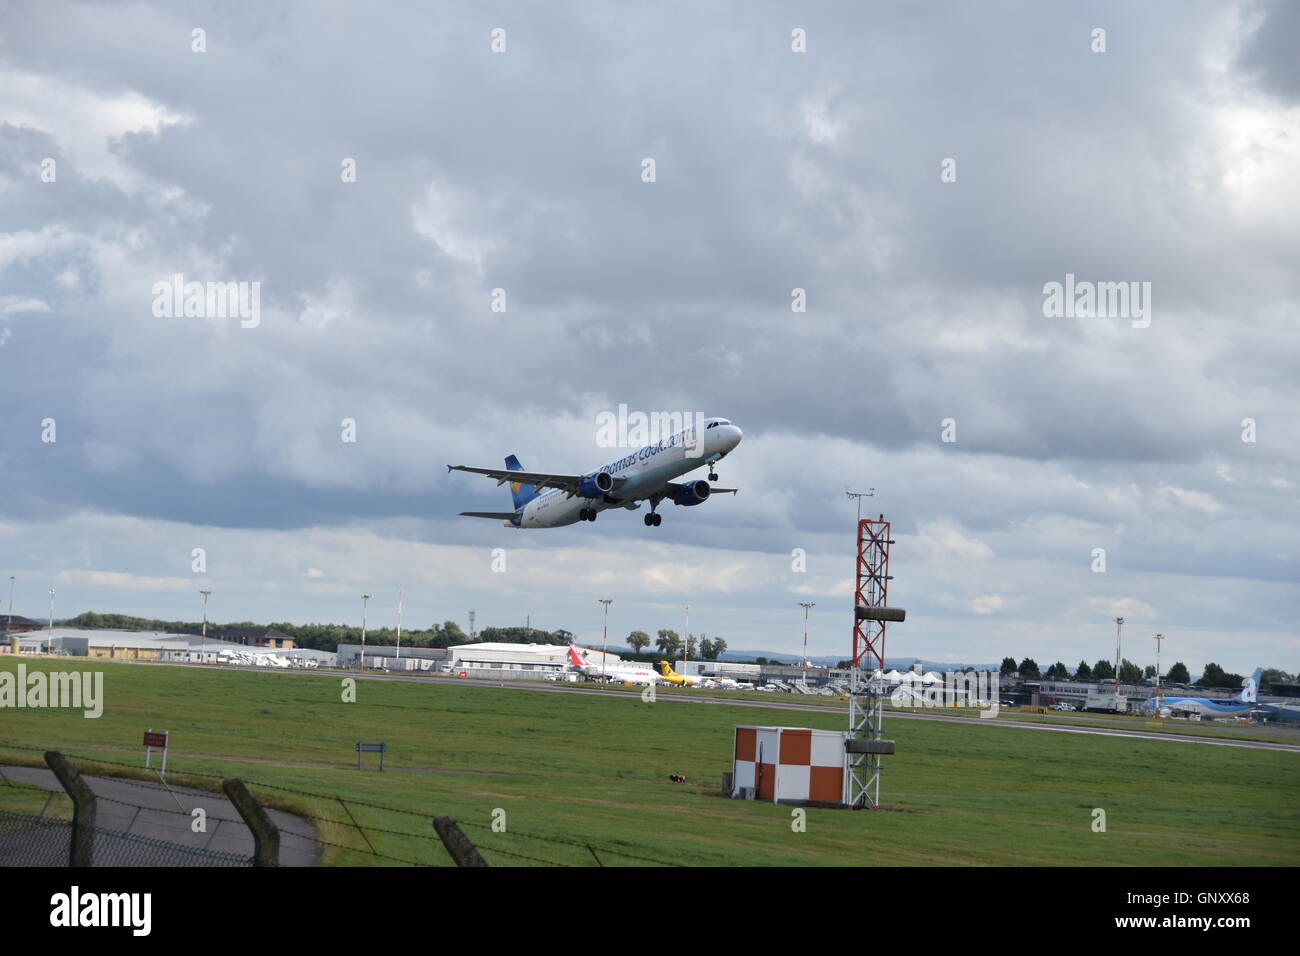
x=361 y=832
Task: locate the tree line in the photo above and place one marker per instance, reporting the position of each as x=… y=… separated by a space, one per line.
x=1129 y=673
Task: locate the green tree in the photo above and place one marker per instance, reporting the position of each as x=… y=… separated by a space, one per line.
x=1103 y=670
x=1178 y=674
x=1213 y=676
x=1149 y=672
x=1129 y=672
x=719 y=648
x=1029 y=669
x=1058 y=671
x=638 y=641
x=1084 y=672
x=1008 y=665
x=1272 y=674
x=706 y=648
x=668 y=643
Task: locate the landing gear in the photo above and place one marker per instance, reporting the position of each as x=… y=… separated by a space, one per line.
x=713 y=475
x=653 y=520
x=588 y=514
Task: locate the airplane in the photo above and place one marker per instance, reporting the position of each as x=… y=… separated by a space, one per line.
x=628 y=673
x=544 y=500
x=667 y=674
x=1243 y=703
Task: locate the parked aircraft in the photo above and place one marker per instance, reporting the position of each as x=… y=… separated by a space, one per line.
x=1242 y=704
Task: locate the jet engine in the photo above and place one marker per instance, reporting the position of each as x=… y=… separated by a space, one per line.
x=692 y=493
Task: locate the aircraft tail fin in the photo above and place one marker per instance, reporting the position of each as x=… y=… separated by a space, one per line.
x=575 y=658
x=1250 y=687
x=521 y=493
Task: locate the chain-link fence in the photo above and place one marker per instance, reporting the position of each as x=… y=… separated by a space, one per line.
x=149 y=823
x=30 y=840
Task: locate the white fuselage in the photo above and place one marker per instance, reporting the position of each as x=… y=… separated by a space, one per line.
x=646 y=470
x=620 y=671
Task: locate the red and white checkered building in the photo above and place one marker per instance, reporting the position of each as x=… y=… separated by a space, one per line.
x=791 y=764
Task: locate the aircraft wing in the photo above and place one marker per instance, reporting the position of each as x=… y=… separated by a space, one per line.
x=503 y=515
x=542 y=480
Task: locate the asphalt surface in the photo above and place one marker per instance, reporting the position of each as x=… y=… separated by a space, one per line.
x=155 y=811
x=776 y=704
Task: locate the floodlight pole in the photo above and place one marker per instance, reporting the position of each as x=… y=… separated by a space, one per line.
x=806 y=606
x=605 y=638
x=365 y=599
x=686 y=639
x=1159 y=638
x=51 y=644
x=1119 y=623
x=11 y=605
x=205 y=618
x=400 y=594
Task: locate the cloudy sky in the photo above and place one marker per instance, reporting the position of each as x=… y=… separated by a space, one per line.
x=921 y=170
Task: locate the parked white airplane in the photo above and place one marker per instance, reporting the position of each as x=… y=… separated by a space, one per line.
x=550 y=501
x=628 y=673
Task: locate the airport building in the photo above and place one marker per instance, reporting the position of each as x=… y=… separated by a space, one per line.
x=161 y=646
x=107 y=644
x=516 y=660
x=263 y=637
x=390 y=657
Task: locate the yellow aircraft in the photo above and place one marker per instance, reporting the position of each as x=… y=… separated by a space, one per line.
x=668 y=675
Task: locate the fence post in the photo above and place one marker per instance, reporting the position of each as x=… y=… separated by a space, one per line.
x=81 y=851
x=458 y=845
x=266 y=835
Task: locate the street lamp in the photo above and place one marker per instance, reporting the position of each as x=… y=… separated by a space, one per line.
x=1119 y=624
x=1159 y=638
x=806 y=605
x=365 y=598
x=605 y=639
x=205 y=618
x=686 y=640
x=400 y=592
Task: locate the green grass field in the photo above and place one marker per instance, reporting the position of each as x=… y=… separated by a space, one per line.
x=594 y=770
